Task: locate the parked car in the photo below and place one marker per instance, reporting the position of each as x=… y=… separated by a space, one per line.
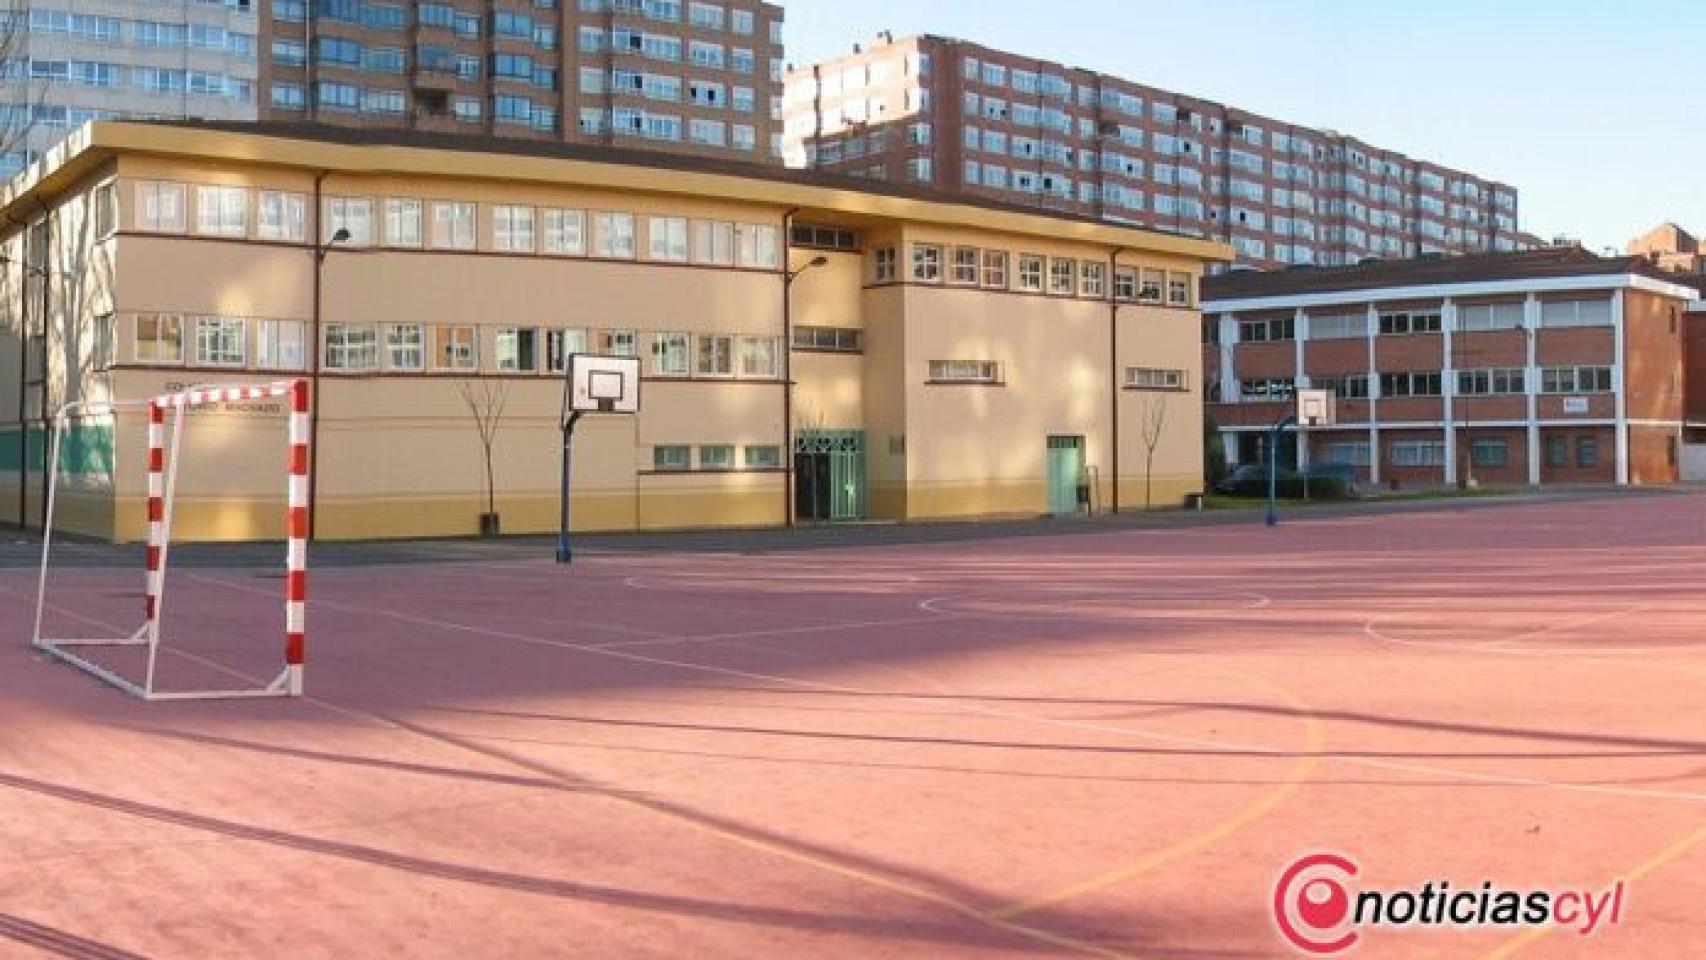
x=1342 y=474
x=1326 y=481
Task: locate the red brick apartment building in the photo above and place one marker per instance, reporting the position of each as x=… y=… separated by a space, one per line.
x=985 y=122
x=696 y=77
x=1550 y=366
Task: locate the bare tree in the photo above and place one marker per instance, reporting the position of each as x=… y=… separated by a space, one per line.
x=1154 y=425
x=19 y=95
x=486 y=401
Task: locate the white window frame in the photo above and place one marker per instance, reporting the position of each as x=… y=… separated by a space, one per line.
x=338 y=344
x=455 y=225
x=221 y=211
x=666 y=239
x=613 y=235
x=514 y=228
x=273 y=351
x=281 y=215
x=455 y=347
x=405 y=346
x=162 y=323
x=221 y=341
x=565 y=232
x=162 y=206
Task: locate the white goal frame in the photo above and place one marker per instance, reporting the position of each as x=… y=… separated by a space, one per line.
x=162 y=488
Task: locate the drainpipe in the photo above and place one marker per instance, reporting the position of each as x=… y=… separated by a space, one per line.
x=46 y=332
x=788 y=367
x=23 y=366
x=1114 y=370
x=318 y=249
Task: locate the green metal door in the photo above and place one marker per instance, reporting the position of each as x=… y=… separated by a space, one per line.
x=1065 y=467
x=830 y=474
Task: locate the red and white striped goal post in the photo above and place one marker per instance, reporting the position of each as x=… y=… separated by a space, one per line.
x=162 y=484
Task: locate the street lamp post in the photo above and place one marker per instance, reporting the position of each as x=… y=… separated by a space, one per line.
x=788 y=278
x=321 y=251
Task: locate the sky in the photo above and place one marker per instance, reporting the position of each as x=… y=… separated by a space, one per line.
x=1590 y=108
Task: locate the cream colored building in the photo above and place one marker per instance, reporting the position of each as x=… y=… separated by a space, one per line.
x=950 y=357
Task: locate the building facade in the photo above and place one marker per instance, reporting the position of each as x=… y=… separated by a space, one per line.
x=1671 y=248
x=813 y=349
x=67 y=62
x=989 y=123
x=1553 y=366
x=699 y=77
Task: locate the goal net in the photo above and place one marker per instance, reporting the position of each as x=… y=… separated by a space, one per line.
x=163 y=474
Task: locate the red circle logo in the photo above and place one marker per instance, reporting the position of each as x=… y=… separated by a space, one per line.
x=1312 y=904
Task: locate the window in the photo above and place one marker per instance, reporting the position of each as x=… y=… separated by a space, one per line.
x=405 y=347
x=829 y=339
x=453 y=348
x=222 y=211
x=1489 y=452
x=1350 y=453
x=926 y=263
x=757 y=245
x=282 y=345
x=1575 y=380
x=1268 y=388
x=1030 y=273
x=1402 y=324
x=1092 y=279
x=995 y=269
x=1557 y=451
x=1264 y=331
x=565 y=232
x=1347 y=326
x=825 y=238
x=1179 y=290
x=883 y=265
x=1502 y=381
x=349 y=214
x=106 y=208
x=159 y=338
x=1125 y=285
x=716 y=355
x=512 y=229
x=1353 y=386
x=667 y=239
x=1587 y=452
x=352 y=346
x=403 y=222
x=1149 y=286
x=1417 y=453
x=452 y=225
x=160 y=207
x=101 y=352
x=760 y=357
x=672 y=457
x=713 y=242
x=560 y=345
x=518 y=349
x=1062 y=276
x=613 y=235
x=281 y=216
x=1489 y=316
x=764 y=457
x=1575 y=313
x=965 y=266
x=1410 y=384
x=669 y=354
x=717 y=457
x=1146 y=378
x=964 y=371
x=618 y=343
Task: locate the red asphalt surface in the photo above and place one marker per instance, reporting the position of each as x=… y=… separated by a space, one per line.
x=1104 y=744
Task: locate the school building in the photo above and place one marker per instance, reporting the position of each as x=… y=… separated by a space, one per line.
x=814 y=348
x=1551 y=366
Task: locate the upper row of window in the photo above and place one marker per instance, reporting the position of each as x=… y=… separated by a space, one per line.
x=1059 y=276
x=406 y=222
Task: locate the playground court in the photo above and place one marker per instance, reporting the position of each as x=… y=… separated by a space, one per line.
x=1103 y=743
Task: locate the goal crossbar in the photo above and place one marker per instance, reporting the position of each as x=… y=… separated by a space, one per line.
x=162 y=487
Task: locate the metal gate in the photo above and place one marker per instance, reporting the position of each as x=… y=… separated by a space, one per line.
x=829 y=475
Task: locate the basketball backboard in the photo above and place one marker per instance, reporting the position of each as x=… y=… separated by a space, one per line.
x=599 y=384
x=1315 y=408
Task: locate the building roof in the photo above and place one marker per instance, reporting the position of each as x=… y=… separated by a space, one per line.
x=1547 y=264
x=401 y=152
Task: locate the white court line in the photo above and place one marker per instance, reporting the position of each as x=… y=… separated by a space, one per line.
x=1202 y=743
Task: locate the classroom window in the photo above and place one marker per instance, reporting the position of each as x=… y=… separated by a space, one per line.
x=1149 y=378
x=763 y=457
x=965 y=371
x=1575 y=313
x=402 y=222
x=512 y=229
x=1489 y=452
x=1264 y=331
x=405 y=347
x=829 y=339
x=1030 y=273
x=1420 y=384
x=1061 y=276
x=1350 y=453
x=613 y=235
x=666 y=239
x=453 y=225
x=926 y=263
x=716 y=355
x=965 y=267
x=453 y=348
x=670 y=354
x=282 y=344
x=618 y=343
x=1092 y=279
x=672 y=457
x=565 y=232
x=995 y=269
x=1417 y=453
x=720 y=456
x=222 y=211
x=219 y=341
x=713 y=242
x=517 y=349
x=159 y=338
x=1149 y=286
x=1410 y=322
x=352 y=214
x=352 y=346
x=106 y=210
x=1125 y=285
x=160 y=207
x=281 y=216
x=560 y=345
x=1587 y=452
x=756 y=245
x=101 y=352
x=883 y=265
x=1557 y=451
x=1179 y=290
x=760 y=357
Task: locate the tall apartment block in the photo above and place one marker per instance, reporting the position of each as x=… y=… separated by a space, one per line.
x=695 y=77
x=993 y=124
x=70 y=61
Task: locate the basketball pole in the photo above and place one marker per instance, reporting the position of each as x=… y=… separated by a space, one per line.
x=564 y=554
x=1274 y=435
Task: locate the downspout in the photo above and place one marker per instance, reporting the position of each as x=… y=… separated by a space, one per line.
x=318 y=249
x=1114 y=369
x=23 y=366
x=788 y=367
x=47 y=274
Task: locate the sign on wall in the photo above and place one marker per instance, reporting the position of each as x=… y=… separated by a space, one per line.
x=1575 y=404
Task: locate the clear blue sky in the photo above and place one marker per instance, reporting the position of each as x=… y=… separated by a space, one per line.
x=1590 y=108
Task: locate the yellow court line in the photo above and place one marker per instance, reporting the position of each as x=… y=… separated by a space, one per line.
x=1299 y=775
x=1665 y=856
